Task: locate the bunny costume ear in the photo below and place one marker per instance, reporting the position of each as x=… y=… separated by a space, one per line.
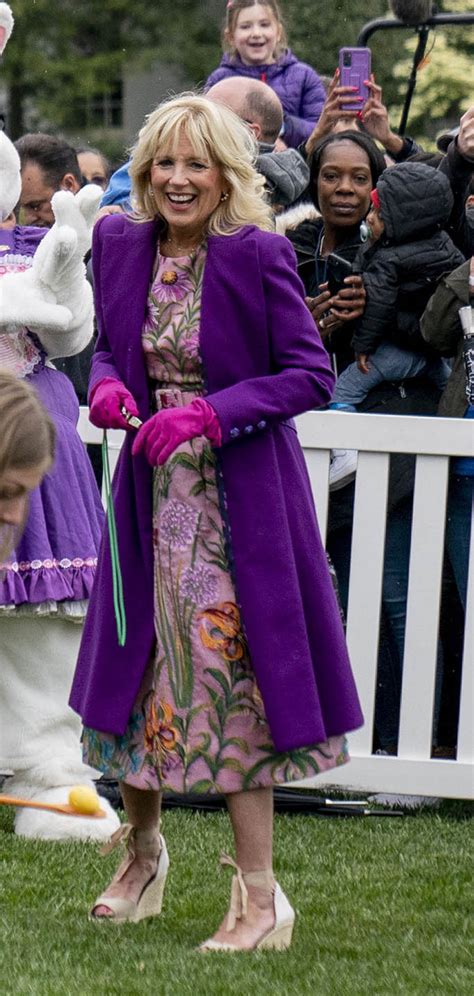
x=10 y=179
x=6 y=25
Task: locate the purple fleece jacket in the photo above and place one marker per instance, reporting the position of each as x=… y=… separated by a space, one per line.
x=298 y=86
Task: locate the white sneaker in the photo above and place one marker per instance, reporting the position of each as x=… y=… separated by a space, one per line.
x=343 y=468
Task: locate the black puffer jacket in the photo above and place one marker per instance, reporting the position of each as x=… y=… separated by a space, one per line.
x=401 y=270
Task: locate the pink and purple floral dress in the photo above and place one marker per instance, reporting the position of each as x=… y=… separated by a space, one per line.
x=198 y=724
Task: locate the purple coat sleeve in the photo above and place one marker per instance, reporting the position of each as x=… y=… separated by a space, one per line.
x=300 y=377
x=313 y=96
x=102 y=362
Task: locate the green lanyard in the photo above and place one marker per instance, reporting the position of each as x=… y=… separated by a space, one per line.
x=119 y=605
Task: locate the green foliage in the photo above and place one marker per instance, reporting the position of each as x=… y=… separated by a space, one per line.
x=444 y=81
x=62 y=51
x=63 y=54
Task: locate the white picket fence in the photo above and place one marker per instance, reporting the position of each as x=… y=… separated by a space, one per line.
x=433 y=441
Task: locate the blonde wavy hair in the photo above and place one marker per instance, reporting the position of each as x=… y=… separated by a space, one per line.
x=27 y=439
x=214 y=132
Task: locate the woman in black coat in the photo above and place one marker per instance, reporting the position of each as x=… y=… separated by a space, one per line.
x=344 y=168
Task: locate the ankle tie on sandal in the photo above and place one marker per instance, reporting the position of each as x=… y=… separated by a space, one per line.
x=122 y=834
x=239 y=892
x=238 y=895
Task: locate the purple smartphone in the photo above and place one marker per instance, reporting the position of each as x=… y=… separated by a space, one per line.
x=354 y=68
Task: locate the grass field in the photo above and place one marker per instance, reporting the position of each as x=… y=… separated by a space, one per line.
x=384 y=907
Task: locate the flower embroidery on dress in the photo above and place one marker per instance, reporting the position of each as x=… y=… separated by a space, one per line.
x=160 y=735
x=221 y=630
x=171 y=285
x=178 y=523
x=199 y=584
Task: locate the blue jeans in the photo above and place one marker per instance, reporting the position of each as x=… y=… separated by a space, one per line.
x=394 y=608
x=458 y=529
x=387 y=363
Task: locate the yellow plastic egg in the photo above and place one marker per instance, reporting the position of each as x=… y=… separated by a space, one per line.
x=84 y=800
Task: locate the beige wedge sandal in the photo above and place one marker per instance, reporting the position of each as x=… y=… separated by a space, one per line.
x=276 y=939
x=150 y=900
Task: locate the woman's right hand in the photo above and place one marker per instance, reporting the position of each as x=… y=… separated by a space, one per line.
x=106 y=399
x=320 y=304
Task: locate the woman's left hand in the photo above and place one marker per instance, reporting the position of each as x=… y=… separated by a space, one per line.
x=161 y=435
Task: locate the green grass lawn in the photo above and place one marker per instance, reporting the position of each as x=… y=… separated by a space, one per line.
x=384 y=906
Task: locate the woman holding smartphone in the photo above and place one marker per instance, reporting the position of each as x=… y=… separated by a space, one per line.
x=344 y=168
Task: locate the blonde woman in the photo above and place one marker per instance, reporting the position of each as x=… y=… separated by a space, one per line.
x=234 y=675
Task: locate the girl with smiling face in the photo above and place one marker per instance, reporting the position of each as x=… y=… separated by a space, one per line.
x=255 y=46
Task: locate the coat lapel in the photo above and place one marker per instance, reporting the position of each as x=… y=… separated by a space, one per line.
x=127 y=259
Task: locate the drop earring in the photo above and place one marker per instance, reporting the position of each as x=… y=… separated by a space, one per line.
x=224 y=196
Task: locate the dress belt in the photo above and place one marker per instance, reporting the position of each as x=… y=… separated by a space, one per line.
x=171 y=397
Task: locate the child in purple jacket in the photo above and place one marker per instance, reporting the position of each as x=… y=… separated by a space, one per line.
x=254 y=36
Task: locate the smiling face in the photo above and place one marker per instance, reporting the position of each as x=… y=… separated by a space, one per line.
x=256 y=35
x=187 y=188
x=344 y=184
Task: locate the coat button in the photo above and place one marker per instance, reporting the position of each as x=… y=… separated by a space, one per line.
x=234 y=432
x=248 y=429
x=262 y=424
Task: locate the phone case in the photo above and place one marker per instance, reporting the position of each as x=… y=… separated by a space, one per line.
x=354 y=68
x=337 y=270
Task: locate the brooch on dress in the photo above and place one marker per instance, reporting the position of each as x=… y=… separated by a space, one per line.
x=169 y=277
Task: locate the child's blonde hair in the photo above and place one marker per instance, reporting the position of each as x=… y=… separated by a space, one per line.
x=27 y=437
x=233 y=10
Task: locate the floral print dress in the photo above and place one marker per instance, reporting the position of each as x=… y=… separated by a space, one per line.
x=198 y=724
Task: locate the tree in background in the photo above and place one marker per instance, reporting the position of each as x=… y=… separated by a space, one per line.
x=318 y=29
x=444 y=88
x=66 y=54
x=63 y=53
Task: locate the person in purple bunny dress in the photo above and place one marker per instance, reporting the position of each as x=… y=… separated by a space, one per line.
x=234 y=675
x=46 y=580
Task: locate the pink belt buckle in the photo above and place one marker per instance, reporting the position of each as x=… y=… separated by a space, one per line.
x=166 y=399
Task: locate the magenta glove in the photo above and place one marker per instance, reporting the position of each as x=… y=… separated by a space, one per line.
x=105 y=401
x=165 y=431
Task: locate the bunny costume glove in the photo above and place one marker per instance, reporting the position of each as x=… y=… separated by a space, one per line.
x=52 y=297
x=160 y=436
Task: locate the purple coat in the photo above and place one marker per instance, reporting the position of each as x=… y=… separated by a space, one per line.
x=297 y=85
x=263 y=362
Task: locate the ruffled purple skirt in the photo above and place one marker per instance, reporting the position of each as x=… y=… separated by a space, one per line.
x=56 y=557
